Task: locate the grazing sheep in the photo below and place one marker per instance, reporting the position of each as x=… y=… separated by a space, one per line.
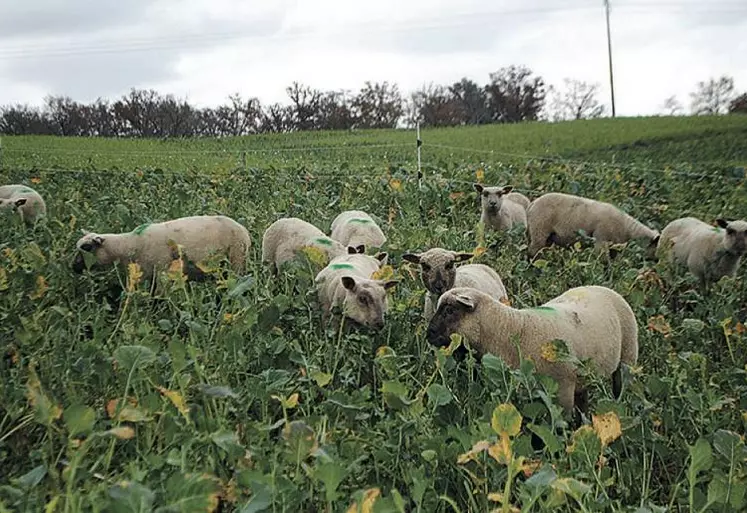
x=284 y=238
x=596 y=323
x=356 y=227
x=148 y=244
x=556 y=218
x=347 y=282
x=22 y=199
x=501 y=208
x=439 y=274
x=709 y=252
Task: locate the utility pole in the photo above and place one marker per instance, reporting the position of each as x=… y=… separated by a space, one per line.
x=609 y=53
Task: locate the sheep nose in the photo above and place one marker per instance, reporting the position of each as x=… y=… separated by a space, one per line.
x=79 y=263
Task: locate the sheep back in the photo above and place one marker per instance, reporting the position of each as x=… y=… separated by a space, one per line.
x=356 y=227
x=283 y=239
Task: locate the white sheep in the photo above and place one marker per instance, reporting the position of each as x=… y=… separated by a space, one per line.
x=356 y=227
x=596 y=323
x=346 y=282
x=556 y=218
x=149 y=244
x=501 y=208
x=709 y=252
x=22 y=199
x=439 y=274
x=284 y=238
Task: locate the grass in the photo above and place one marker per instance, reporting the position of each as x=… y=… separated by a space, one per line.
x=232 y=395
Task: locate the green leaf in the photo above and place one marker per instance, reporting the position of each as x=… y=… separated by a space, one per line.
x=439 y=395
x=131 y=497
x=129 y=357
x=79 y=419
x=322 y=378
x=260 y=501
x=701 y=458
x=718 y=489
x=399 y=502
x=331 y=475
x=552 y=444
x=506 y=419
x=226 y=440
x=192 y=492
x=31 y=478
x=729 y=445
x=395 y=394
x=542 y=478
x=570 y=486
x=242 y=286
x=268 y=317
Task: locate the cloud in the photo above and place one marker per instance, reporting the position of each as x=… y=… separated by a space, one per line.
x=207 y=49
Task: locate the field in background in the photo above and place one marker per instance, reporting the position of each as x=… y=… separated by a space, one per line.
x=187 y=401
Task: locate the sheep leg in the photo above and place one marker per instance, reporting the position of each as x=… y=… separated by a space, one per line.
x=617 y=382
x=566 y=394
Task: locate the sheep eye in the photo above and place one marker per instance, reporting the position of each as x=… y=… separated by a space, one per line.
x=363 y=300
x=448 y=310
x=86 y=247
x=485 y=193
x=730 y=231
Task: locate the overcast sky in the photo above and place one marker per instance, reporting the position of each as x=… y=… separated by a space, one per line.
x=206 y=49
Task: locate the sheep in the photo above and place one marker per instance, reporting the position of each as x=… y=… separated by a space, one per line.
x=356 y=227
x=346 y=282
x=439 y=274
x=284 y=238
x=596 y=323
x=709 y=252
x=22 y=199
x=149 y=244
x=556 y=218
x=501 y=208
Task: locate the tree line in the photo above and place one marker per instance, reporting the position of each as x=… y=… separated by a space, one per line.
x=513 y=94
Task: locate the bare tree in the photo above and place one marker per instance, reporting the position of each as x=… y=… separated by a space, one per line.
x=433 y=105
x=577 y=100
x=305 y=103
x=672 y=106
x=515 y=95
x=471 y=101
x=378 y=105
x=739 y=104
x=713 y=97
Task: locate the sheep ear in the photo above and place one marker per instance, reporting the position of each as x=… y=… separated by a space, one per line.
x=477 y=187
x=382 y=257
x=465 y=301
x=361 y=249
x=99 y=240
x=411 y=257
x=723 y=223
x=352 y=250
x=349 y=283
x=507 y=189
x=461 y=257
x=20 y=201
x=388 y=284
x=84 y=231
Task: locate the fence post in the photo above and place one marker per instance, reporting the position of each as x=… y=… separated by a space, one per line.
x=243 y=160
x=1 y=153
x=419 y=144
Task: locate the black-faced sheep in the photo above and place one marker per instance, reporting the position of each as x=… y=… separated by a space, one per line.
x=346 y=282
x=709 y=252
x=355 y=228
x=596 y=323
x=148 y=245
x=501 y=208
x=24 y=200
x=439 y=274
x=556 y=218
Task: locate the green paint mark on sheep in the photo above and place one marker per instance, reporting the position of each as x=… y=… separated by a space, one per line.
x=140 y=229
x=323 y=241
x=342 y=266
x=545 y=309
x=26 y=190
x=359 y=220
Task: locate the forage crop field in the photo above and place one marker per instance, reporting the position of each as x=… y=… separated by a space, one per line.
x=231 y=395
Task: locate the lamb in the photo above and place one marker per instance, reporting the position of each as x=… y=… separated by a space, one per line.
x=22 y=199
x=346 y=282
x=556 y=218
x=284 y=238
x=501 y=208
x=709 y=252
x=356 y=227
x=148 y=244
x=595 y=322
x=439 y=274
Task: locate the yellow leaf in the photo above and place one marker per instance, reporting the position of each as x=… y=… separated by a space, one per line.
x=395 y=184
x=479 y=251
x=529 y=467
x=132 y=414
x=607 y=427
x=36 y=180
x=384 y=273
x=41 y=288
x=384 y=351
x=134 y=274
x=228 y=318
x=501 y=450
x=111 y=406
x=506 y=419
x=504 y=300
x=660 y=325
x=177 y=400
x=292 y=401
x=480 y=175
x=175 y=271
x=315 y=255
x=548 y=352
x=369 y=497
x=470 y=455
x=123 y=432
x=3 y=279
x=495 y=497
x=52 y=505
x=579 y=434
